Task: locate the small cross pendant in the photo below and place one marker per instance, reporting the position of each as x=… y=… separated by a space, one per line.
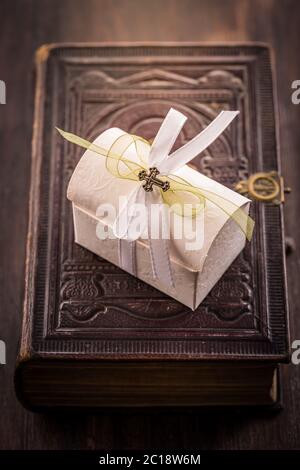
x=151 y=180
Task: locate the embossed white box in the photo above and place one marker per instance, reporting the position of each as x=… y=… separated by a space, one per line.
x=194 y=272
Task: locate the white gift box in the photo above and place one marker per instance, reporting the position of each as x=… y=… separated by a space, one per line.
x=195 y=272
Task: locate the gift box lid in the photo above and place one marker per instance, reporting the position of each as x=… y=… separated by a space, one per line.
x=92 y=186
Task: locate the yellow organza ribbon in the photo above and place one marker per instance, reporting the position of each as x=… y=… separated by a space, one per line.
x=180 y=196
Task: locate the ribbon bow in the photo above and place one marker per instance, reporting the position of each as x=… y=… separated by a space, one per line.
x=155 y=168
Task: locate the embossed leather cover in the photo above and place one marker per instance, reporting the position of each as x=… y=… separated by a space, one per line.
x=80 y=307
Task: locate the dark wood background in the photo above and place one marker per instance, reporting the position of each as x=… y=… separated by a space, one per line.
x=24 y=26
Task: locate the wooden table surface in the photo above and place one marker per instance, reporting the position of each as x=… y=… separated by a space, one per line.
x=24 y=26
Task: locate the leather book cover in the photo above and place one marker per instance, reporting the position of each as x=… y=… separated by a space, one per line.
x=79 y=308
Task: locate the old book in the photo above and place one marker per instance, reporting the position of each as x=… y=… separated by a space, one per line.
x=95 y=336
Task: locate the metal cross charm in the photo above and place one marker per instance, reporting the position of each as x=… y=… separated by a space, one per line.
x=152 y=180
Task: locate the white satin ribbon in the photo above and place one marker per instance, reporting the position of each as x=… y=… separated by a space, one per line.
x=187 y=152
x=159 y=247
x=165 y=138
x=167 y=164
x=122 y=227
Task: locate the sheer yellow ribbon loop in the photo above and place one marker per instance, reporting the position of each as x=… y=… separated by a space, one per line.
x=116 y=163
x=245 y=222
x=179 y=197
x=119 y=165
x=182 y=197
